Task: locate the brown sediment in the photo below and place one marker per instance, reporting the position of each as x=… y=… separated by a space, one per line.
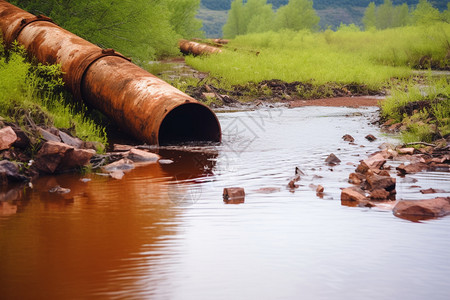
x=338 y=101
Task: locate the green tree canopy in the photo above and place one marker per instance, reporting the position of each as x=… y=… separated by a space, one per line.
x=385 y=15
x=425 y=13
x=253 y=16
x=369 y=19
x=142 y=29
x=297 y=15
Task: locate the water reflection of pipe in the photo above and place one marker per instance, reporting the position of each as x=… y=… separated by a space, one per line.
x=147 y=107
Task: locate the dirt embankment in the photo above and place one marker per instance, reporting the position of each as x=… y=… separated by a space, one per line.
x=293 y=94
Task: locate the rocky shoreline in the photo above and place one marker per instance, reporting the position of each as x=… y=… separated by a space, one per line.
x=374 y=185
x=26 y=154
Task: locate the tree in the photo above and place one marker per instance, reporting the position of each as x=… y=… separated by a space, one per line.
x=183 y=17
x=400 y=15
x=259 y=16
x=425 y=13
x=385 y=13
x=234 y=25
x=297 y=15
x=142 y=29
x=369 y=19
x=446 y=14
x=253 y=16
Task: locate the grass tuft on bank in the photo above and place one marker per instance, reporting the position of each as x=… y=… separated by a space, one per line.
x=33 y=93
x=424 y=112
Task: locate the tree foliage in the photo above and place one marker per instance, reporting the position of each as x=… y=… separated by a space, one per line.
x=297 y=15
x=425 y=13
x=256 y=16
x=370 y=17
x=388 y=15
x=142 y=29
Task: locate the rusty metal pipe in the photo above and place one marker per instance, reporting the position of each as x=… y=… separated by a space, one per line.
x=190 y=47
x=147 y=107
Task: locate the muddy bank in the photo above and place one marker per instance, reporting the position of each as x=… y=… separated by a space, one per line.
x=356 y=101
x=289 y=93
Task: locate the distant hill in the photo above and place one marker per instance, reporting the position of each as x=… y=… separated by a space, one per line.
x=332 y=13
x=324 y=4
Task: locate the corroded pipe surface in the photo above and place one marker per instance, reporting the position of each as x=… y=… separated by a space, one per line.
x=190 y=47
x=147 y=107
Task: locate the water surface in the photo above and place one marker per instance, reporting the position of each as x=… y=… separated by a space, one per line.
x=163 y=231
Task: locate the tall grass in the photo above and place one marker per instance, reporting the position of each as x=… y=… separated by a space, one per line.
x=344 y=56
x=429 y=118
x=32 y=93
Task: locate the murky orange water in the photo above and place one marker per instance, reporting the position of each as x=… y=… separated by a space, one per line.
x=163 y=231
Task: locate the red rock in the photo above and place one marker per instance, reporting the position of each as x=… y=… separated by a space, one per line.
x=69 y=140
x=429 y=208
x=379 y=194
x=233 y=193
x=332 y=159
x=50 y=156
x=137 y=155
x=23 y=141
x=348 y=138
x=373 y=162
x=352 y=194
x=411 y=168
x=376 y=182
x=75 y=159
x=9 y=172
x=119 y=147
x=356 y=178
x=383 y=173
x=395 y=127
x=431 y=191
x=7 y=137
x=320 y=189
x=388 y=122
x=48 y=136
x=409 y=151
x=370 y=137
x=439 y=167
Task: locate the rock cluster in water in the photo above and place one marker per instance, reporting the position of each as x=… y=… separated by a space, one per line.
x=373 y=183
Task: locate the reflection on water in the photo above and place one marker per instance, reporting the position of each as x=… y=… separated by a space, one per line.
x=164 y=232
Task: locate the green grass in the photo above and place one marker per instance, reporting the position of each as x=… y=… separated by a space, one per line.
x=430 y=120
x=344 y=56
x=34 y=93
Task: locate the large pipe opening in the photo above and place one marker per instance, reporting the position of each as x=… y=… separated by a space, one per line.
x=189 y=122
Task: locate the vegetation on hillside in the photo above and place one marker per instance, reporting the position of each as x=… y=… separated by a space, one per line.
x=141 y=29
x=257 y=16
x=388 y=15
x=332 y=13
x=32 y=94
x=321 y=4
